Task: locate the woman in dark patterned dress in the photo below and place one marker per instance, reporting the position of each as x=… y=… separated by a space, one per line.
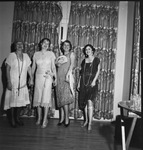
x=88 y=84
x=65 y=96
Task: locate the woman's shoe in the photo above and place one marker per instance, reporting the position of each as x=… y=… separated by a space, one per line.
x=13 y=124
x=66 y=125
x=89 y=127
x=38 y=122
x=60 y=123
x=44 y=125
x=84 y=124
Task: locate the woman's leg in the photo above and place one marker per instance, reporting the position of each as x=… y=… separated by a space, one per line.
x=85 y=117
x=90 y=113
x=61 y=116
x=12 y=117
x=66 y=112
x=45 y=119
x=17 y=116
x=39 y=111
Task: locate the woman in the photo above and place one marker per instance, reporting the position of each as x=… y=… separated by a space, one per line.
x=88 y=83
x=17 y=66
x=64 y=89
x=44 y=69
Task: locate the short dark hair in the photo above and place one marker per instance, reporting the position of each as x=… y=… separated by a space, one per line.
x=62 y=44
x=40 y=43
x=13 y=45
x=84 y=49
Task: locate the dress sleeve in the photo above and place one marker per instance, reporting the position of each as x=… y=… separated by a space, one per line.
x=28 y=60
x=9 y=59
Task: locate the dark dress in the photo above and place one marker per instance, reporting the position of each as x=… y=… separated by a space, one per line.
x=87 y=73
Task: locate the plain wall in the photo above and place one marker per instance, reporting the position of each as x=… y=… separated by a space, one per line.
x=123 y=54
x=6 y=18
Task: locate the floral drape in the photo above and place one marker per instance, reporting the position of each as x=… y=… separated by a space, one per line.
x=135 y=90
x=95 y=22
x=34 y=20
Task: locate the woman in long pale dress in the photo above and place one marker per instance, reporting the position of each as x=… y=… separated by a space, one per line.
x=44 y=69
x=17 y=66
x=64 y=89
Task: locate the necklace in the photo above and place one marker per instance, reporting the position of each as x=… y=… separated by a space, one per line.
x=91 y=65
x=44 y=52
x=19 y=71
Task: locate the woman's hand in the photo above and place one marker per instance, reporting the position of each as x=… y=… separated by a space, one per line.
x=48 y=73
x=67 y=76
x=9 y=85
x=78 y=87
x=30 y=82
x=58 y=64
x=55 y=82
x=93 y=83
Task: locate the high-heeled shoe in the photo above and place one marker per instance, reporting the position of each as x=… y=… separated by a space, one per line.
x=66 y=125
x=84 y=124
x=61 y=123
x=45 y=123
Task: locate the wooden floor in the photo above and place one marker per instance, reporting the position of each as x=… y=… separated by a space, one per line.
x=32 y=137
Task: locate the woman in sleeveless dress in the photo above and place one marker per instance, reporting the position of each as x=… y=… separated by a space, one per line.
x=44 y=69
x=65 y=96
x=17 y=95
x=88 y=83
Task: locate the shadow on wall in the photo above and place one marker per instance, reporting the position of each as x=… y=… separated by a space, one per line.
x=13 y=47
x=4 y=81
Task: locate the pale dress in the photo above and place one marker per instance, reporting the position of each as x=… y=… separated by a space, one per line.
x=14 y=98
x=43 y=86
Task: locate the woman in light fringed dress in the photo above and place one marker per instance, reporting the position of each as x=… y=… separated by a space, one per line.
x=17 y=95
x=44 y=69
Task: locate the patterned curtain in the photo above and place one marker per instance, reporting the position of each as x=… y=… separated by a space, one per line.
x=34 y=20
x=135 y=91
x=95 y=22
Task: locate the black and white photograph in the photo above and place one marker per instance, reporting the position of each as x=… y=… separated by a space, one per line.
x=71 y=75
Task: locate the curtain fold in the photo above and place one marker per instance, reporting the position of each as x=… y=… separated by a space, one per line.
x=32 y=21
x=95 y=22
x=135 y=91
